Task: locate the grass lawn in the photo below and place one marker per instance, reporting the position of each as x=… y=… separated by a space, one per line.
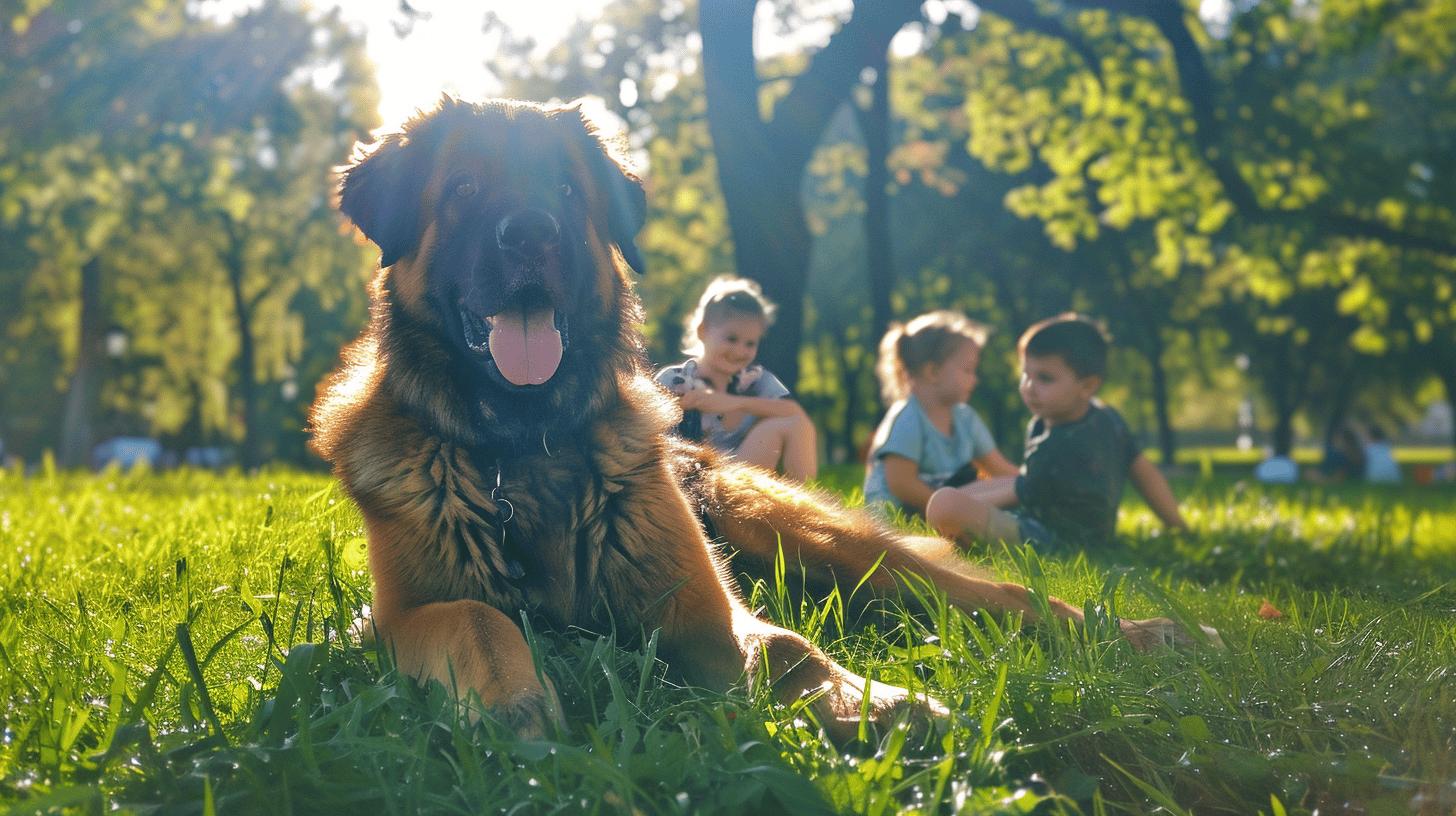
x=175 y=644
x=1232 y=460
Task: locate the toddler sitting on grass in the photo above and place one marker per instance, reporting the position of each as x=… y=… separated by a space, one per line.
x=1079 y=453
x=930 y=437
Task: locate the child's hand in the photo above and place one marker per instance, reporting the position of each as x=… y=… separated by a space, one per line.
x=708 y=400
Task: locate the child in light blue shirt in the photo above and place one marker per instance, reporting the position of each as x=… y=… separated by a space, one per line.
x=930 y=438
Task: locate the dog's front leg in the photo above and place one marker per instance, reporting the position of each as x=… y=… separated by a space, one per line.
x=795 y=668
x=470 y=646
x=715 y=642
x=674 y=583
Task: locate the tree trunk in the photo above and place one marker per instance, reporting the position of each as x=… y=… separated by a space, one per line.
x=849 y=448
x=1340 y=404
x=1167 y=439
x=1280 y=382
x=771 y=240
x=1283 y=424
x=998 y=418
x=761 y=163
x=772 y=245
x=1288 y=383
x=846 y=448
x=76 y=430
x=1146 y=313
x=247 y=371
x=874 y=124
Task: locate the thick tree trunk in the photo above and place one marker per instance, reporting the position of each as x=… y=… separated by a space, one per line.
x=76 y=430
x=772 y=244
x=996 y=415
x=761 y=163
x=1146 y=313
x=1285 y=384
x=771 y=240
x=1288 y=385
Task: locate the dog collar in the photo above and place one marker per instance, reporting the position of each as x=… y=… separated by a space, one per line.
x=514 y=570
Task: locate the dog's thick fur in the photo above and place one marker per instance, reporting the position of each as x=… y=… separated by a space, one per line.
x=483 y=497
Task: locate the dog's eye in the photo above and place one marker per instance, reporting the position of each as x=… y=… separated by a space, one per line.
x=565 y=188
x=465 y=189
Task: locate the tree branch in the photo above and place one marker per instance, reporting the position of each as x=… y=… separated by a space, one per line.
x=1200 y=91
x=799 y=118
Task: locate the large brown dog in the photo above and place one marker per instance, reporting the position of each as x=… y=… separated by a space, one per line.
x=497 y=427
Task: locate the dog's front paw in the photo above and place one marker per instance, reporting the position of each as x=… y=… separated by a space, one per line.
x=531 y=715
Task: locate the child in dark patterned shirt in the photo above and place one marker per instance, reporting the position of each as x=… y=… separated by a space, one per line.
x=1079 y=453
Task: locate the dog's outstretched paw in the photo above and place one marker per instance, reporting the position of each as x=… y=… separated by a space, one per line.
x=1166 y=633
x=842 y=709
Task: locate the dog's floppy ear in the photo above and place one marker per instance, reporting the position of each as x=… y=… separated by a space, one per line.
x=626 y=202
x=380 y=193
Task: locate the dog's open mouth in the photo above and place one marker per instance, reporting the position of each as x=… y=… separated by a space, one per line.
x=524 y=342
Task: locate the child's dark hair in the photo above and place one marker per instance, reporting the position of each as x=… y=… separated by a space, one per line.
x=929 y=339
x=727 y=296
x=1080 y=342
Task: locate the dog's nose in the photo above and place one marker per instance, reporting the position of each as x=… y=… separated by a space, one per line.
x=528 y=232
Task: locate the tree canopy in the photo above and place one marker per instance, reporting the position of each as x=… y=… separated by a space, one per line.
x=1264 y=182
x=170 y=181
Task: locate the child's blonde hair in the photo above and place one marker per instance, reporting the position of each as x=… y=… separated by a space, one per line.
x=727 y=296
x=929 y=339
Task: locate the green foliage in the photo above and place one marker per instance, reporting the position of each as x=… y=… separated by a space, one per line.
x=1067 y=159
x=1238 y=194
x=1080 y=162
x=174 y=640
x=183 y=157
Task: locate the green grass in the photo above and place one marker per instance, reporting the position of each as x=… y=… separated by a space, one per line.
x=1232 y=459
x=1229 y=461
x=174 y=644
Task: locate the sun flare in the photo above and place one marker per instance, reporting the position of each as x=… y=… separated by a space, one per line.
x=443 y=46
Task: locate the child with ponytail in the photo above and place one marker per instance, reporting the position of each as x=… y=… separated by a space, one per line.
x=930 y=438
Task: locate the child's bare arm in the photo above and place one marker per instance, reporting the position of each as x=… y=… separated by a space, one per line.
x=768 y=406
x=1156 y=492
x=717 y=402
x=995 y=463
x=999 y=491
x=902 y=477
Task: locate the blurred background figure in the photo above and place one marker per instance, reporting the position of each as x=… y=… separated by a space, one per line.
x=1277 y=468
x=1344 y=457
x=1380 y=465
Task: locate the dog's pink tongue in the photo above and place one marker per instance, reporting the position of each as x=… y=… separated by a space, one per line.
x=526 y=347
